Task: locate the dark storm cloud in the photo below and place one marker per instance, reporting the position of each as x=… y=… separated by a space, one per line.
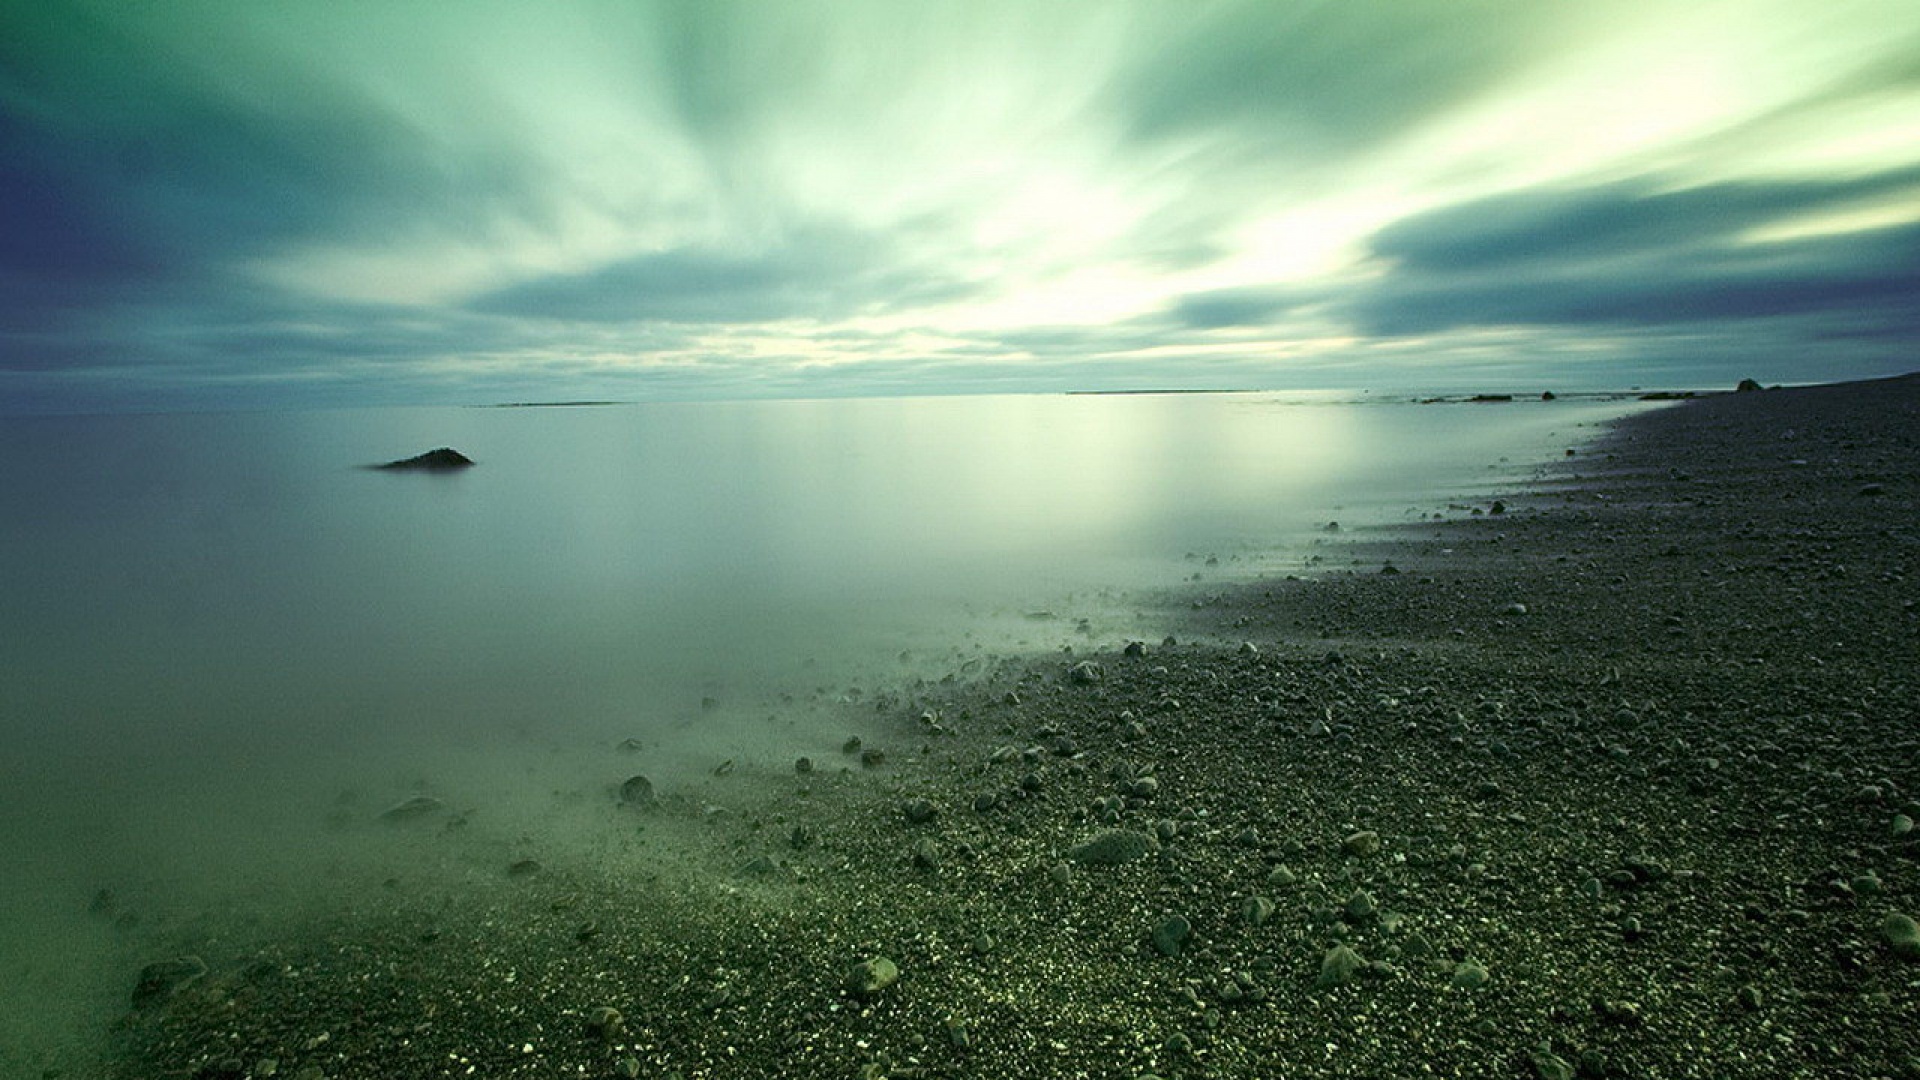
x=1624 y=254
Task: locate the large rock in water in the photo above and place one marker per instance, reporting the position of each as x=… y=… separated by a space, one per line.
x=445 y=459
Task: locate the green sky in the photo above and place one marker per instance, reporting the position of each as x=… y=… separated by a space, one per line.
x=268 y=203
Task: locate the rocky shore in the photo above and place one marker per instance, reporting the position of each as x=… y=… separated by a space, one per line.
x=1615 y=777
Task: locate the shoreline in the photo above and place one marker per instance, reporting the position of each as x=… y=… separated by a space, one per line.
x=1631 y=754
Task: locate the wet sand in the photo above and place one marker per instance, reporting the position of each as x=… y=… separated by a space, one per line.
x=1617 y=781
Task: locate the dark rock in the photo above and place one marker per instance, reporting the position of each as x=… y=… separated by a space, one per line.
x=606 y=1023
x=919 y=811
x=637 y=791
x=1084 y=673
x=444 y=459
x=1747 y=386
x=1256 y=910
x=1112 y=847
x=159 y=982
x=1171 y=936
x=869 y=977
x=1338 y=967
x=1902 y=935
x=523 y=868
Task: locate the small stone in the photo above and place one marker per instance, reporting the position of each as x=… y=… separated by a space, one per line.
x=1135 y=649
x=919 y=811
x=957 y=1035
x=869 y=977
x=1364 y=842
x=1338 y=967
x=1112 y=847
x=1171 y=935
x=1468 y=975
x=413 y=809
x=1417 y=946
x=1618 y=1013
x=159 y=982
x=628 y=1068
x=1514 y=610
x=803 y=766
x=1248 y=648
x=983 y=943
x=1749 y=997
x=1360 y=907
x=523 y=868
x=1282 y=876
x=1060 y=874
x=1902 y=935
x=1868 y=884
x=1256 y=910
x=637 y=791
x=1550 y=1066
x=851 y=746
x=606 y=1023
x=1902 y=825
x=1084 y=673
x=872 y=758
x=925 y=855
x=985 y=801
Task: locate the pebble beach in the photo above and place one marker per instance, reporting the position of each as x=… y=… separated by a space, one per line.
x=1614 y=776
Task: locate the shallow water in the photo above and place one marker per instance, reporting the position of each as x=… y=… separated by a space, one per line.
x=222 y=633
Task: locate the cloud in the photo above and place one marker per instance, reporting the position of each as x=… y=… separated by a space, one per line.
x=815 y=275
x=405 y=198
x=1631 y=254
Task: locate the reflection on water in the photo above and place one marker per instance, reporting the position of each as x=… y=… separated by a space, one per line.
x=218 y=627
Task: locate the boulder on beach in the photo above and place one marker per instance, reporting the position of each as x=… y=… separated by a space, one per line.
x=1747 y=386
x=444 y=459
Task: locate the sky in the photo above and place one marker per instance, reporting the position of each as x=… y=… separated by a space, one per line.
x=257 y=204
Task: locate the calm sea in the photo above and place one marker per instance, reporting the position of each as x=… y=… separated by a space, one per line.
x=217 y=631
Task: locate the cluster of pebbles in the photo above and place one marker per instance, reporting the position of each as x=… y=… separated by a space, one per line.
x=1618 y=781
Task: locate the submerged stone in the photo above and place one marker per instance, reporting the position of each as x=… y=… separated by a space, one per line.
x=637 y=790
x=160 y=981
x=417 y=807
